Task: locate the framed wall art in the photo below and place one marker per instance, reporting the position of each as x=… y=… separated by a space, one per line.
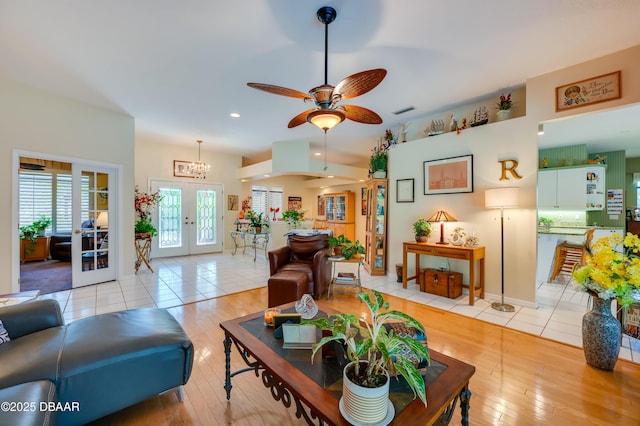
x=232 y=202
x=404 y=190
x=448 y=175
x=363 y=201
x=181 y=168
x=602 y=88
x=295 y=203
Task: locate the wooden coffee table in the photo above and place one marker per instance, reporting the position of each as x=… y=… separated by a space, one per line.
x=315 y=389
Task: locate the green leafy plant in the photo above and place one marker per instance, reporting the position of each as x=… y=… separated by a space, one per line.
x=42 y=223
x=373 y=343
x=293 y=217
x=421 y=227
x=144 y=226
x=543 y=220
x=350 y=249
x=256 y=219
x=28 y=232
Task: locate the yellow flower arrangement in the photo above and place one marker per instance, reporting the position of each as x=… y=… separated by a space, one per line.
x=612 y=269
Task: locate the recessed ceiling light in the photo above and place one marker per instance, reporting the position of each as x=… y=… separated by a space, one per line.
x=234 y=115
x=317 y=154
x=330 y=176
x=361 y=180
x=267 y=175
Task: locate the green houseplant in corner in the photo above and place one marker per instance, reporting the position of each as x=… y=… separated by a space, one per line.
x=374 y=352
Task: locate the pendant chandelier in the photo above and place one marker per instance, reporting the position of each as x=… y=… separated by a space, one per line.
x=199 y=169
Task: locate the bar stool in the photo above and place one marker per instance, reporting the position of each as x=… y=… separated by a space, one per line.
x=568 y=255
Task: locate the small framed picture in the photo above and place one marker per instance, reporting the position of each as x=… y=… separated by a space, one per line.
x=181 y=168
x=448 y=175
x=232 y=202
x=590 y=91
x=404 y=190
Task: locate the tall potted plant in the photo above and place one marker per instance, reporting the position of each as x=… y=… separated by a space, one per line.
x=374 y=352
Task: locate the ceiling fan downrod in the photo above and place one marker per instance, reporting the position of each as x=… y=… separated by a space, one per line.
x=326 y=15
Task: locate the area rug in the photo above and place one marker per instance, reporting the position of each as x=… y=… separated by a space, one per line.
x=48 y=276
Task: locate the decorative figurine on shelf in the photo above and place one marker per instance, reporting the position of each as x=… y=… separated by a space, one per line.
x=472 y=240
x=453 y=123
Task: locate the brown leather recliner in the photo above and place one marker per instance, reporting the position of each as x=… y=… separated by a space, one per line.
x=306 y=253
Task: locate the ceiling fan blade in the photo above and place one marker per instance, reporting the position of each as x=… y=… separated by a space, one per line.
x=300 y=118
x=282 y=91
x=361 y=115
x=360 y=83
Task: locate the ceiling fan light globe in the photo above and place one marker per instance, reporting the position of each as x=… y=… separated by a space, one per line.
x=325 y=120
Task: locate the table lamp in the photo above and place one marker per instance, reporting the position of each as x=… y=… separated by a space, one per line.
x=502 y=198
x=442 y=217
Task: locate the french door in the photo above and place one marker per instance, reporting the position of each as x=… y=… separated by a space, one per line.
x=93 y=238
x=188 y=219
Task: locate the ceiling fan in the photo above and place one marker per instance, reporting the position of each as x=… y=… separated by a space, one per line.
x=327 y=112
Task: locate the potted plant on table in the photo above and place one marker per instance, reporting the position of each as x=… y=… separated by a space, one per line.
x=352 y=248
x=375 y=352
x=28 y=234
x=422 y=230
x=545 y=222
x=256 y=221
x=335 y=245
x=41 y=224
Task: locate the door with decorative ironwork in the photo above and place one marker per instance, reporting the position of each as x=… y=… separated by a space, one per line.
x=188 y=218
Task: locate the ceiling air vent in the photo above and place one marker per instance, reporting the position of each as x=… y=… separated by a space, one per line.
x=402 y=111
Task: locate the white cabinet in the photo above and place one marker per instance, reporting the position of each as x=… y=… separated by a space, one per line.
x=577 y=188
x=562 y=189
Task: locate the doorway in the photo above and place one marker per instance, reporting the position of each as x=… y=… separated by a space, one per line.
x=74 y=200
x=189 y=218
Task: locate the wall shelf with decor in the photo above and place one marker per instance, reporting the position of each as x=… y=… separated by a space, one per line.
x=375 y=260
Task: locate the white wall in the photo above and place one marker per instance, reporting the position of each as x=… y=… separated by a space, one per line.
x=513 y=139
x=35 y=121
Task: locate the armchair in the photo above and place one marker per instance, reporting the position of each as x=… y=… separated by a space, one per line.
x=304 y=253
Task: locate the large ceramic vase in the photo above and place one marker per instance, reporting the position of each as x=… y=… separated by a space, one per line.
x=601 y=335
x=360 y=405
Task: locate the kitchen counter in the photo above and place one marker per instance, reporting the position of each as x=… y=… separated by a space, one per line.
x=574 y=230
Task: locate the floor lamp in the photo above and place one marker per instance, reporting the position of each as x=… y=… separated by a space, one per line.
x=502 y=198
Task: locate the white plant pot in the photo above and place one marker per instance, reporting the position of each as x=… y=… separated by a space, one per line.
x=365 y=405
x=380 y=174
x=503 y=114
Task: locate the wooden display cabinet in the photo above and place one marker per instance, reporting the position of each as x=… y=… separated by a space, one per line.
x=340 y=213
x=376 y=227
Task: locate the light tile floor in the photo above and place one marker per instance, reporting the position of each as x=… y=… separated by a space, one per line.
x=181 y=280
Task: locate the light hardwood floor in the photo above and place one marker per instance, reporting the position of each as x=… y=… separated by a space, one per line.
x=520 y=379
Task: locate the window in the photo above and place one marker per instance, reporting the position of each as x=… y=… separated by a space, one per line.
x=39 y=195
x=263 y=199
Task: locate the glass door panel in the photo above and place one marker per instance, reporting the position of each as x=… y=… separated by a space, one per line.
x=92 y=260
x=330 y=208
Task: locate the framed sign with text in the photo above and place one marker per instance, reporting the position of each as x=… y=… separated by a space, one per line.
x=602 y=88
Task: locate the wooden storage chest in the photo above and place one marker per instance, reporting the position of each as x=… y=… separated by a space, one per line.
x=442 y=283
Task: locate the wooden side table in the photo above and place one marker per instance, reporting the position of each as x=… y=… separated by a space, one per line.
x=37 y=249
x=471 y=254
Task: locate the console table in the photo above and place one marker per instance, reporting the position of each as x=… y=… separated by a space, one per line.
x=471 y=254
x=314 y=390
x=244 y=239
